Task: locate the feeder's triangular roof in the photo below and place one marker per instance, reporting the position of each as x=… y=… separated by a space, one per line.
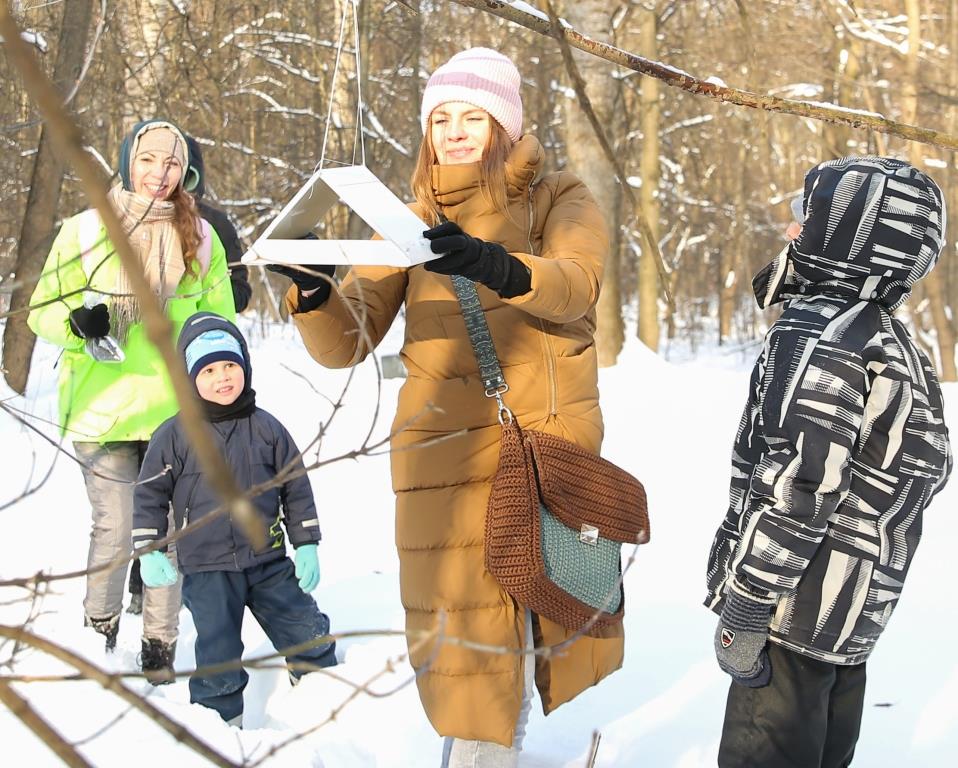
x=357 y=187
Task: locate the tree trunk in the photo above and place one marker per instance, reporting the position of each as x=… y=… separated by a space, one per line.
x=934 y=287
x=847 y=70
x=730 y=255
x=583 y=150
x=947 y=269
x=733 y=249
x=648 y=287
x=39 y=218
x=146 y=90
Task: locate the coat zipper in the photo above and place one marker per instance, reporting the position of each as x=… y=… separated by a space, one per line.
x=189 y=500
x=546 y=340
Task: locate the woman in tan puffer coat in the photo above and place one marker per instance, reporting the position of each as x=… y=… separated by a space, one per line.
x=535 y=244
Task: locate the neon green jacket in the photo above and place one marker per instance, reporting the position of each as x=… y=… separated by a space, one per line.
x=106 y=402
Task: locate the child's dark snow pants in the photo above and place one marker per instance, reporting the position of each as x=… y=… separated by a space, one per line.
x=288 y=616
x=808 y=716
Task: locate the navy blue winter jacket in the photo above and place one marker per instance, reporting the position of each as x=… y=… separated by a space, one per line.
x=256 y=447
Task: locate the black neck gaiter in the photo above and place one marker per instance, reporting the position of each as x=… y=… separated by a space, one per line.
x=240 y=408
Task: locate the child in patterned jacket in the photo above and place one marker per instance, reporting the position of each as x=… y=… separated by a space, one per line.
x=840 y=449
x=223 y=572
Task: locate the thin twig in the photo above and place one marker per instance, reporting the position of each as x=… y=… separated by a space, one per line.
x=593 y=749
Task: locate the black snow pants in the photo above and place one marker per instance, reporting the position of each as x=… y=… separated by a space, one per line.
x=808 y=716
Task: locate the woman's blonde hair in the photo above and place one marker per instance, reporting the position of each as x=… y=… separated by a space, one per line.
x=186 y=221
x=492 y=171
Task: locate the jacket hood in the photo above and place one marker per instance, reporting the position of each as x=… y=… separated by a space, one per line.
x=194 y=178
x=126 y=148
x=873 y=227
x=208 y=321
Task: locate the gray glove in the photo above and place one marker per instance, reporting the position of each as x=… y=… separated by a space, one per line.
x=740 y=639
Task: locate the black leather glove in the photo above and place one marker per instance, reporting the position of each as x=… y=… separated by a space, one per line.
x=741 y=637
x=307 y=277
x=90 y=323
x=307 y=281
x=482 y=262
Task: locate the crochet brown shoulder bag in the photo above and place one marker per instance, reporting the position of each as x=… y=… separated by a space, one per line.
x=557 y=514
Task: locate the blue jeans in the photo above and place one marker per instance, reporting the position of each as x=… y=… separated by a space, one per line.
x=288 y=616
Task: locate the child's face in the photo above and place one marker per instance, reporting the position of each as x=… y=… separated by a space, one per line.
x=221 y=382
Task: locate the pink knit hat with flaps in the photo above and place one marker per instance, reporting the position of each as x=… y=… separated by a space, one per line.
x=479 y=76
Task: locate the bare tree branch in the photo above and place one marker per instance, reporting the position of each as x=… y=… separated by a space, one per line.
x=115 y=685
x=158 y=327
x=27 y=715
x=676 y=78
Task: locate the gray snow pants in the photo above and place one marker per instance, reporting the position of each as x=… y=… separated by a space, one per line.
x=110 y=471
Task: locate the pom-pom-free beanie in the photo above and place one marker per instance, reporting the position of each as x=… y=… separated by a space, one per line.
x=211 y=347
x=479 y=76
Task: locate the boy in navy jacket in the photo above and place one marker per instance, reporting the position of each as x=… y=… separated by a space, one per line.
x=223 y=573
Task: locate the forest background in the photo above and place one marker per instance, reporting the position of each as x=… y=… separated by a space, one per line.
x=253 y=81
x=710 y=181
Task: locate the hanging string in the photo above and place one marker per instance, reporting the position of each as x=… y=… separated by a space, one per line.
x=341 y=43
x=359 y=90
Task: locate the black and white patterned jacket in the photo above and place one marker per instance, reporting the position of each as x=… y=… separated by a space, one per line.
x=842 y=444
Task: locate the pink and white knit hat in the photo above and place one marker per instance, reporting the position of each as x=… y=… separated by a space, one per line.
x=479 y=76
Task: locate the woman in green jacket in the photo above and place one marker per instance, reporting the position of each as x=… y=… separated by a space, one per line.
x=110 y=404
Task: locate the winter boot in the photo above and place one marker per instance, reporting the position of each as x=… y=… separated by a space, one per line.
x=136 y=604
x=108 y=627
x=156 y=661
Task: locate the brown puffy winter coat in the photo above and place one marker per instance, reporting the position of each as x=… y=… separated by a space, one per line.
x=544 y=340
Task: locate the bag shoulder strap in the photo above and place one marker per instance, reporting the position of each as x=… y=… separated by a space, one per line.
x=490 y=372
x=479 y=337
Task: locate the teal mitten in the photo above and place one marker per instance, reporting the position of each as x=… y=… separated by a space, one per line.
x=157 y=571
x=307 y=567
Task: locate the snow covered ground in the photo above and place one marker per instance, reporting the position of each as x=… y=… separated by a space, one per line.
x=671 y=425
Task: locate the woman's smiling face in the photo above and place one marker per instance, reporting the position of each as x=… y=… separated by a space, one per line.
x=155 y=174
x=459 y=132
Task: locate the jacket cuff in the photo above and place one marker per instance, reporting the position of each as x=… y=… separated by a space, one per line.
x=518 y=279
x=315 y=298
x=744 y=612
x=301 y=533
x=756 y=594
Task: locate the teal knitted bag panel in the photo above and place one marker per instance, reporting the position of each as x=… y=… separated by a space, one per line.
x=588 y=572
